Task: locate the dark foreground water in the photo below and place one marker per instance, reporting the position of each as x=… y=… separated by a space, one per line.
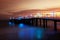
x=11 y=31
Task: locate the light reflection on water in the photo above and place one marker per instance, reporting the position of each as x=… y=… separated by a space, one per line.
x=24 y=31
x=21 y=25
x=11 y=23
x=30 y=32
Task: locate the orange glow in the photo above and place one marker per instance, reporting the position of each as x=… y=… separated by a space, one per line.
x=57 y=14
x=48 y=14
x=39 y=15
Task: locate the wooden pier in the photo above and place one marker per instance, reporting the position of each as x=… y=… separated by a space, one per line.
x=34 y=22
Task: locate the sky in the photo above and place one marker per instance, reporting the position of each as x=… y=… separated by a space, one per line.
x=17 y=5
x=7 y=6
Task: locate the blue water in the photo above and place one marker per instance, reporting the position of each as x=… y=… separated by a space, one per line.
x=30 y=32
x=25 y=32
x=11 y=23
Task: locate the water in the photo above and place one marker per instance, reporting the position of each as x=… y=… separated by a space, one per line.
x=30 y=32
x=21 y=31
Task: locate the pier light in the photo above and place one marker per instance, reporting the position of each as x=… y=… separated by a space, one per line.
x=38 y=15
x=20 y=17
x=57 y=14
x=50 y=14
x=10 y=18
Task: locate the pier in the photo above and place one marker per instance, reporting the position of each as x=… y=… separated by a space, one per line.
x=38 y=22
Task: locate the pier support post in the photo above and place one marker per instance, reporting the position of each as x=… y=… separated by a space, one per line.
x=46 y=23
x=40 y=22
x=43 y=23
x=55 y=26
x=32 y=21
x=36 y=22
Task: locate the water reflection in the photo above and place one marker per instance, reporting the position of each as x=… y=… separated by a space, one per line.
x=11 y=23
x=30 y=32
x=21 y=25
x=26 y=32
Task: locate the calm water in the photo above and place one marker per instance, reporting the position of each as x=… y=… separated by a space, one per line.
x=11 y=31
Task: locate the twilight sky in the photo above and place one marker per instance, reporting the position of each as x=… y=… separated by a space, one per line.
x=17 y=5
x=7 y=6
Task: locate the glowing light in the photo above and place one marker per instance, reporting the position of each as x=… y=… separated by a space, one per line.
x=38 y=15
x=57 y=14
x=49 y=14
x=21 y=25
x=10 y=23
x=31 y=32
x=52 y=14
x=19 y=18
x=39 y=33
x=10 y=17
x=35 y=15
